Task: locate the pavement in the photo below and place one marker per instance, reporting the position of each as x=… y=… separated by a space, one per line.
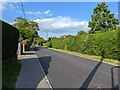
x=69 y=71
x=46 y=68
x=32 y=74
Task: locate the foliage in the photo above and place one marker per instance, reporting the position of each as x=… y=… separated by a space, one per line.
x=81 y=33
x=38 y=41
x=27 y=30
x=118 y=45
x=49 y=39
x=65 y=48
x=105 y=44
x=102 y=20
x=27 y=43
x=10 y=37
x=48 y=43
x=68 y=36
x=10 y=71
x=101 y=44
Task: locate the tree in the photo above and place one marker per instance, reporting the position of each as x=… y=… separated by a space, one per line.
x=102 y=20
x=68 y=36
x=81 y=33
x=38 y=41
x=49 y=39
x=27 y=29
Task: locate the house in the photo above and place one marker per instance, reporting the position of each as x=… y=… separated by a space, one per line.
x=63 y=36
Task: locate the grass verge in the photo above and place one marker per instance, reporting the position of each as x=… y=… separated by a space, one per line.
x=10 y=71
x=110 y=61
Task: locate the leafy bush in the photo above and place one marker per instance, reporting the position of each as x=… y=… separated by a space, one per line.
x=10 y=39
x=38 y=41
x=100 y=44
x=81 y=33
x=119 y=45
x=105 y=44
x=65 y=48
x=44 y=44
x=28 y=43
x=10 y=72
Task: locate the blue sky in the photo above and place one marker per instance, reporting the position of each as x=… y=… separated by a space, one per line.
x=56 y=18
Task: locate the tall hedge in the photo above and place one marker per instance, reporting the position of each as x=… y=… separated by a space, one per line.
x=119 y=45
x=10 y=39
x=102 y=44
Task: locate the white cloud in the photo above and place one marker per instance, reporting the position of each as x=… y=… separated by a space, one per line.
x=41 y=14
x=46 y=12
x=11 y=0
x=61 y=25
x=5 y=5
x=41 y=17
x=34 y=13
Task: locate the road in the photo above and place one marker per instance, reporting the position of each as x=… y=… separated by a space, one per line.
x=70 y=71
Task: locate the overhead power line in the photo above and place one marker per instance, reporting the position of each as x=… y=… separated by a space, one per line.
x=23 y=9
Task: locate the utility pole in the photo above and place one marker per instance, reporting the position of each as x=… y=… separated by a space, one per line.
x=47 y=35
x=23 y=9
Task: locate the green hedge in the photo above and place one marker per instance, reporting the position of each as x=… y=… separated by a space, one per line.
x=104 y=44
x=119 y=45
x=10 y=39
x=101 y=44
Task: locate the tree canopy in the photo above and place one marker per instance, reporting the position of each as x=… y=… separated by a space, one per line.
x=81 y=32
x=102 y=20
x=38 y=41
x=27 y=29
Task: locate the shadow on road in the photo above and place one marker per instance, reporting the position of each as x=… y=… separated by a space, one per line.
x=25 y=53
x=31 y=74
x=45 y=62
x=37 y=48
x=92 y=73
x=90 y=76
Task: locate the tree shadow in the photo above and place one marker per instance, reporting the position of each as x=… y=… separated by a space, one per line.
x=37 y=48
x=90 y=76
x=26 y=53
x=45 y=62
x=33 y=48
x=31 y=73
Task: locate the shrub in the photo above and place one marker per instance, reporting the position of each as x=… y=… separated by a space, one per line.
x=65 y=48
x=10 y=39
x=28 y=43
x=105 y=44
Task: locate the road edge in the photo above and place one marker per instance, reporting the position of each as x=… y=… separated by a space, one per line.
x=85 y=57
x=50 y=85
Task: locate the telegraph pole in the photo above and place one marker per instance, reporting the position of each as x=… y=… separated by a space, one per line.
x=47 y=35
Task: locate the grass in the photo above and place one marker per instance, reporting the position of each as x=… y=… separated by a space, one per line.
x=111 y=61
x=10 y=71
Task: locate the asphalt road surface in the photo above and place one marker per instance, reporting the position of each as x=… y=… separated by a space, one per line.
x=70 y=71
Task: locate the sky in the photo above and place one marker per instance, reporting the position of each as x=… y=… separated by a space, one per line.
x=56 y=18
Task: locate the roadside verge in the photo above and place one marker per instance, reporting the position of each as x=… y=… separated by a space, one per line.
x=92 y=57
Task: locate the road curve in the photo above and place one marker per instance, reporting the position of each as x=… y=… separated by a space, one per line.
x=70 y=71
